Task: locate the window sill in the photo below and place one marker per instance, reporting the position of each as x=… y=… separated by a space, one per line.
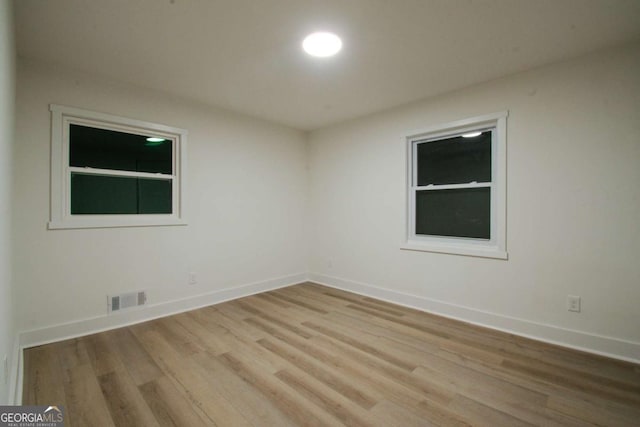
x=93 y=223
x=464 y=250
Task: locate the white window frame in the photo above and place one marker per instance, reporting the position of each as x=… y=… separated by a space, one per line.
x=61 y=218
x=495 y=246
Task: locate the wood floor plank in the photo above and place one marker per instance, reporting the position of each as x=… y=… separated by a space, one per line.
x=392 y=415
x=256 y=408
x=229 y=324
x=347 y=297
x=289 y=403
x=371 y=304
x=85 y=403
x=380 y=384
x=168 y=406
x=298 y=301
x=400 y=329
x=179 y=337
x=323 y=375
x=448 y=416
x=275 y=301
x=207 y=339
x=101 y=353
x=328 y=302
x=518 y=348
x=346 y=413
x=408 y=323
x=362 y=346
x=596 y=411
x=420 y=339
x=202 y=395
x=553 y=390
x=310 y=355
x=599 y=386
x=232 y=310
x=480 y=413
x=125 y=403
x=236 y=337
x=281 y=319
x=394 y=379
x=358 y=324
x=134 y=356
x=526 y=405
x=72 y=353
x=349 y=364
x=297 y=313
x=43 y=377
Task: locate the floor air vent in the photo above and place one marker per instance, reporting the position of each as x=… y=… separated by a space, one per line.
x=126 y=301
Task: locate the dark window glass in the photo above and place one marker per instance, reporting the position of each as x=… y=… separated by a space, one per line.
x=95 y=194
x=455 y=160
x=109 y=149
x=455 y=213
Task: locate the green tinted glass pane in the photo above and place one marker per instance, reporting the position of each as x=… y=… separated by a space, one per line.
x=455 y=160
x=109 y=149
x=112 y=195
x=154 y=196
x=454 y=213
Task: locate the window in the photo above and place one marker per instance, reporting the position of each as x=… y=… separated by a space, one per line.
x=109 y=171
x=457 y=188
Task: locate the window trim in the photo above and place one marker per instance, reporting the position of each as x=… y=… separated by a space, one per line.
x=61 y=217
x=495 y=247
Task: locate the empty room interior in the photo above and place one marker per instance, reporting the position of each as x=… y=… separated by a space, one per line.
x=293 y=212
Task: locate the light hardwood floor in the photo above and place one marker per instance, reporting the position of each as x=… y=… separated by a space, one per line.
x=316 y=356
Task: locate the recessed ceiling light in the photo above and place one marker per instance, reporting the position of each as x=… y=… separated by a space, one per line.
x=322 y=44
x=154 y=139
x=471 y=134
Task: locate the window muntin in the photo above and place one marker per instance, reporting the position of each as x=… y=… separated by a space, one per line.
x=457 y=188
x=110 y=171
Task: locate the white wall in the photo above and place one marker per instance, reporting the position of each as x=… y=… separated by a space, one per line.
x=7 y=88
x=246 y=209
x=573 y=221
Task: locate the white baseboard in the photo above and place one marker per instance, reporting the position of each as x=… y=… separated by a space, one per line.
x=592 y=343
x=93 y=325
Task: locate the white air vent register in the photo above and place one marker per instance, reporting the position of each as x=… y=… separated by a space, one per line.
x=126 y=301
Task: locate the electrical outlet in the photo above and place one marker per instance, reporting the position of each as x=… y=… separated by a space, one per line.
x=192 y=278
x=573 y=303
